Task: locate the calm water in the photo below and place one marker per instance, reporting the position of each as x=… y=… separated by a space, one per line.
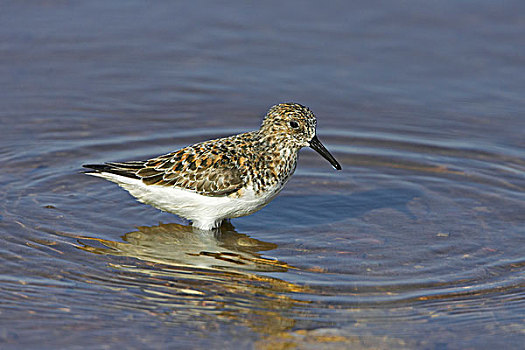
x=417 y=243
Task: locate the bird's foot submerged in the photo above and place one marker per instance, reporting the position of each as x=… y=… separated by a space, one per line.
x=207 y=224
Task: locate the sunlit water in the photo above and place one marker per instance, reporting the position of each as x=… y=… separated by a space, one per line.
x=417 y=243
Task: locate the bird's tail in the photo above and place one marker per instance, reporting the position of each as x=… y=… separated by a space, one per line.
x=127 y=169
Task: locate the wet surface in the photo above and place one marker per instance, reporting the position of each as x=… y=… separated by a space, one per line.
x=417 y=243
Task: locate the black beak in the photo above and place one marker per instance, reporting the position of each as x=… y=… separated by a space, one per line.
x=318 y=146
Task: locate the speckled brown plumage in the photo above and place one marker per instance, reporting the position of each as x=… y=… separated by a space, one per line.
x=259 y=162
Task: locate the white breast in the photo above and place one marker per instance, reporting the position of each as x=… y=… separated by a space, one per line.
x=205 y=212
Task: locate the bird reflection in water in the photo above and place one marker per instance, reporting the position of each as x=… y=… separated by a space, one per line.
x=184 y=246
x=200 y=274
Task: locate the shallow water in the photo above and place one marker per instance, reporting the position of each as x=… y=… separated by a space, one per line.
x=417 y=243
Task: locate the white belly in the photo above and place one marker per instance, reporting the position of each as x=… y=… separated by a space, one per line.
x=205 y=212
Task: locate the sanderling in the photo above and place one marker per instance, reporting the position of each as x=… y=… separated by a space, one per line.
x=224 y=178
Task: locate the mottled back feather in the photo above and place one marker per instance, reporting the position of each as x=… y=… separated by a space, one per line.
x=203 y=168
x=211 y=168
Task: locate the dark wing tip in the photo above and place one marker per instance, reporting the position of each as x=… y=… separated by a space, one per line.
x=97 y=167
x=123 y=169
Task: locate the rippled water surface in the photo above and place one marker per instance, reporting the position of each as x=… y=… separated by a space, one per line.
x=417 y=243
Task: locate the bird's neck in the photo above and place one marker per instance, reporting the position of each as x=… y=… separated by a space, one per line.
x=279 y=156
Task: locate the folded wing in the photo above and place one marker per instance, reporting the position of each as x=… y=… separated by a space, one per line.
x=198 y=168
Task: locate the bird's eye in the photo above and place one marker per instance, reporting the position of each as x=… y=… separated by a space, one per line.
x=294 y=124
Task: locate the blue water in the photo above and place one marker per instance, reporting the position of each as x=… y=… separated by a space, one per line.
x=417 y=243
